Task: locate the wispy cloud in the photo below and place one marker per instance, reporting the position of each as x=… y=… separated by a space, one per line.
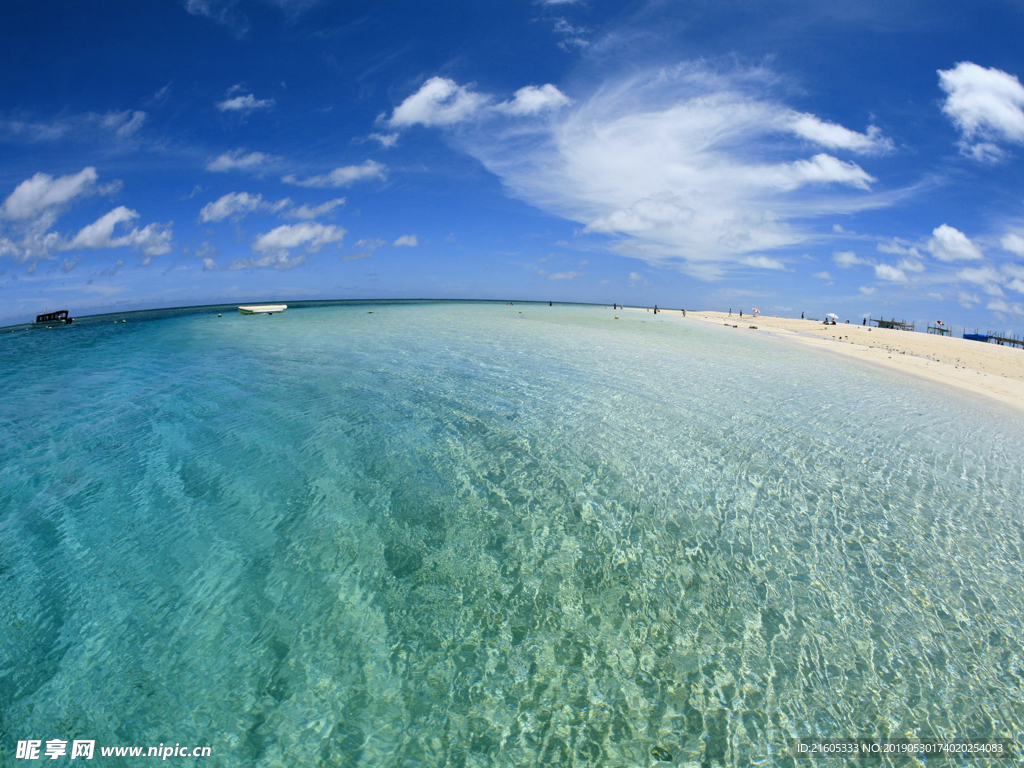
x=126 y=123
x=244 y=104
x=763 y=262
x=685 y=165
x=1013 y=243
x=223 y=12
x=239 y=159
x=341 y=177
x=836 y=136
x=236 y=205
x=314 y=211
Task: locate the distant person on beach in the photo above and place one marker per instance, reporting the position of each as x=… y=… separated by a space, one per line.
x=730 y=311
x=655 y=309
x=865 y=321
x=684 y=313
x=801 y=315
x=741 y=313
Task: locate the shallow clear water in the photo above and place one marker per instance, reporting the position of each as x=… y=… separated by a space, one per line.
x=456 y=535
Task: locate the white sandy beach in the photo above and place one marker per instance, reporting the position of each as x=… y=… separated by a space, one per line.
x=989 y=370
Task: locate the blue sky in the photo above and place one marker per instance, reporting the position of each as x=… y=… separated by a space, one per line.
x=790 y=155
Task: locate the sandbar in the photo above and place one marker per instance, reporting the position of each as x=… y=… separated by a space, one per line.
x=993 y=371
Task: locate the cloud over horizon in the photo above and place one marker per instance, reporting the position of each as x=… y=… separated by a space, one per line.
x=680 y=165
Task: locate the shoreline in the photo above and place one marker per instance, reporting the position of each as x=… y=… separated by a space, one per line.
x=992 y=371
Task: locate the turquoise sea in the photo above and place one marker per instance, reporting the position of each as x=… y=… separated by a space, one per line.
x=473 y=534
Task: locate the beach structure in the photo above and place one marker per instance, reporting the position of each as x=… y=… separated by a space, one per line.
x=898 y=325
x=1008 y=341
x=1002 y=340
x=940 y=329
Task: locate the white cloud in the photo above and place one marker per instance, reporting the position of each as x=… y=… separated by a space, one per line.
x=1017 y=284
x=689 y=166
x=910 y=265
x=847 y=259
x=238 y=204
x=408 y=240
x=968 y=300
x=999 y=305
x=987 y=277
x=34 y=196
x=565 y=275
x=868 y=290
x=124 y=124
x=439 y=101
x=635 y=278
x=1013 y=270
x=311 y=235
x=821 y=169
x=643 y=216
x=899 y=247
x=1013 y=243
x=151 y=240
x=824 y=275
x=313 y=212
x=986 y=105
x=222 y=11
x=99 y=233
x=341 y=177
x=837 y=137
x=890 y=273
x=275 y=259
x=763 y=262
x=533 y=99
x=238 y=160
x=950 y=244
x=387 y=140
x=233 y=204
x=245 y=104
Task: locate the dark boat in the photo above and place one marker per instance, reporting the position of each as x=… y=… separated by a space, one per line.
x=56 y=317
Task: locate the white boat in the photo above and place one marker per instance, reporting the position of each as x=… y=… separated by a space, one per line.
x=262 y=309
